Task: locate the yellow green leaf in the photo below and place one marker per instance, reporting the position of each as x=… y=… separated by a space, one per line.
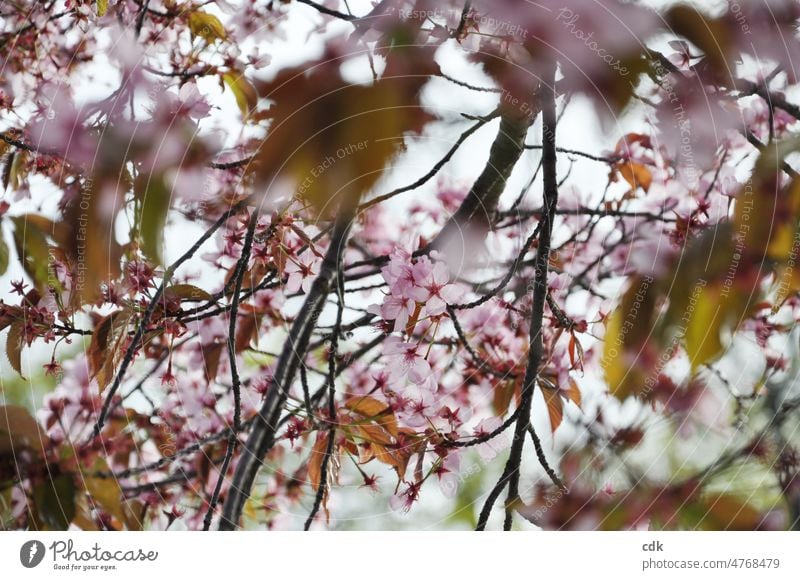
x=107 y=494
x=155 y=201
x=206 y=26
x=245 y=93
x=703 y=341
x=33 y=250
x=3 y=256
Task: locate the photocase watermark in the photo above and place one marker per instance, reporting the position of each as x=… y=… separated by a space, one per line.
x=31 y=553
x=169 y=446
x=683 y=125
x=666 y=355
x=66 y=556
x=549 y=501
x=329 y=162
x=628 y=323
x=745 y=203
x=736 y=10
x=482 y=22
x=570 y=19
x=85 y=204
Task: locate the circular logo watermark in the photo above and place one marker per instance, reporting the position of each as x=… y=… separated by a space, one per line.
x=31 y=553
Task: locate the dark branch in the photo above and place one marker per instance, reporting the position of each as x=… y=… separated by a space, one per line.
x=145 y=320
x=241 y=269
x=510 y=475
x=262 y=436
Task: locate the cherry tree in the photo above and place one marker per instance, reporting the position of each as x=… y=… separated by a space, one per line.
x=293 y=264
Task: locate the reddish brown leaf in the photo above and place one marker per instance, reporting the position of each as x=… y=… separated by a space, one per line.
x=107 y=346
x=503 y=394
x=211 y=356
x=376 y=410
x=331 y=136
x=18 y=430
x=315 y=460
x=247 y=327
x=373 y=434
x=555 y=406
x=636 y=174
x=573 y=392
x=187 y=293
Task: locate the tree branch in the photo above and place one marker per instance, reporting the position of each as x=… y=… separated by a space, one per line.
x=480 y=206
x=241 y=269
x=510 y=475
x=262 y=436
x=145 y=320
x=331 y=384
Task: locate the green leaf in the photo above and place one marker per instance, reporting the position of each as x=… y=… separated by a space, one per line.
x=245 y=93
x=155 y=198
x=33 y=250
x=102 y=7
x=14 y=344
x=55 y=502
x=206 y=26
x=3 y=255
x=107 y=494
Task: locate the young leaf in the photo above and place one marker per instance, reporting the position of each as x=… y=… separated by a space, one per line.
x=636 y=174
x=32 y=250
x=155 y=198
x=372 y=408
x=3 y=256
x=503 y=395
x=18 y=429
x=14 y=343
x=187 y=293
x=206 y=26
x=555 y=406
x=106 y=348
x=243 y=90
x=107 y=494
x=315 y=460
x=55 y=502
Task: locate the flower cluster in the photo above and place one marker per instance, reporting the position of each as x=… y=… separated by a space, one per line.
x=418 y=288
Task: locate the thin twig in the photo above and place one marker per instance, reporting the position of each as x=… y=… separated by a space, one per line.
x=241 y=269
x=510 y=475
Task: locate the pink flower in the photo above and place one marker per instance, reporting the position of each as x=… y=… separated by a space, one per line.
x=398 y=273
x=302 y=271
x=412 y=282
x=402 y=501
x=397 y=308
x=490 y=449
x=557 y=281
x=682 y=55
x=192 y=102
x=432 y=286
x=405 y=361
x=448 y=475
